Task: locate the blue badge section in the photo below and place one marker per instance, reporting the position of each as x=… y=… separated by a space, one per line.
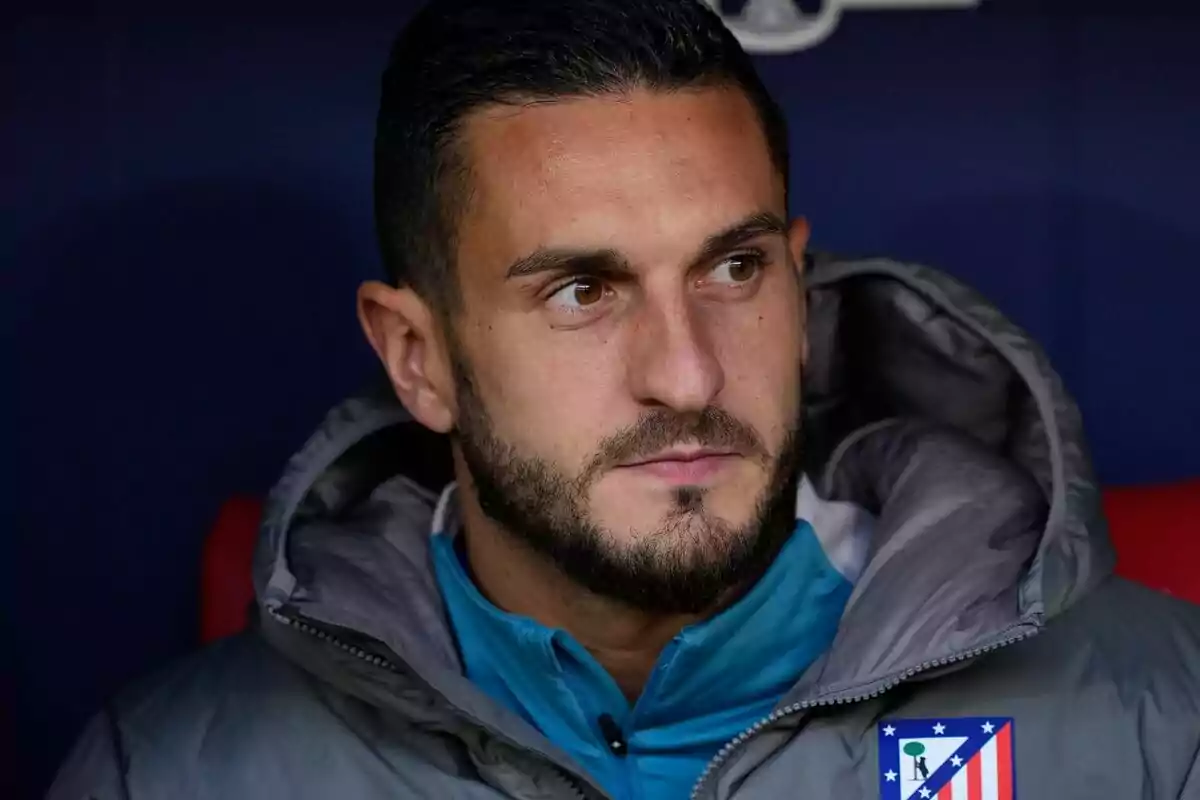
x=952 y=758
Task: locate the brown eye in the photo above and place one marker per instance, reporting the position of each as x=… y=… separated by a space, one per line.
x=588 y=292
x=579 y=295
x=737 y=269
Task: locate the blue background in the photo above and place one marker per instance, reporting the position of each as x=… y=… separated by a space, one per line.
x=186 y=214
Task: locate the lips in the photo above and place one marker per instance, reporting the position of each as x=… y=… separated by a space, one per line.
x=684 y=467
x=680 y=456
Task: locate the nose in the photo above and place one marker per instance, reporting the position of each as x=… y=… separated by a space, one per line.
x=671 y=360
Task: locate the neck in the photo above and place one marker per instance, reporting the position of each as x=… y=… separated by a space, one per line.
x=516 y=579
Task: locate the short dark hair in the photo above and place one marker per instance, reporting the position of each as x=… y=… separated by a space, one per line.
x=456 y=56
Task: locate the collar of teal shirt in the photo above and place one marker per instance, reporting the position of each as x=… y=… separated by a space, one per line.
x=714 y=680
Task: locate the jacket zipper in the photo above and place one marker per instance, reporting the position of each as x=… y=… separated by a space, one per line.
x=726 y=753
x=383 y=663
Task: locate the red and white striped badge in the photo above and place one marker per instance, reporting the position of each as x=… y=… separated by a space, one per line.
x=954 y=758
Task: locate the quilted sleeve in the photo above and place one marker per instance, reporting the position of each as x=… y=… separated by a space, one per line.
x=95 y=768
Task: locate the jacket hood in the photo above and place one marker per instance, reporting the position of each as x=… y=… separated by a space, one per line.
x=924 y=405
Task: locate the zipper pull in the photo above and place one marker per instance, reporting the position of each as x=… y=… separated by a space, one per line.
x=613 y=735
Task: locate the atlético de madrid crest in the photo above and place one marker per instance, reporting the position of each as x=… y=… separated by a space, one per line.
x=956 y=758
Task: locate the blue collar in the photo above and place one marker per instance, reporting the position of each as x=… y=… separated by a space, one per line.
x=714 y=680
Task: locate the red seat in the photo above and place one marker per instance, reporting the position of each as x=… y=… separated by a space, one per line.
x=1156 y=533
x=226 y=588
x=1155 y=529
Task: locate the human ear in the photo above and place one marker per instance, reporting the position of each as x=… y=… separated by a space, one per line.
x=797 y=235
x=405 y=333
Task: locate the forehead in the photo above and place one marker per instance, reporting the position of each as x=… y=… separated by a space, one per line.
x=636 y=170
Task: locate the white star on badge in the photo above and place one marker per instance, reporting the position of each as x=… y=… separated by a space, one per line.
x=889 y=731
x=988 y=727
x=939 y=729
x=926 y=793
x=956 y=761
x=890 y=775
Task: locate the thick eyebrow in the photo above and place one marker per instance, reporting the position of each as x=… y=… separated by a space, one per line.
x=601 y=263
x=764 y=223
x=610 y=263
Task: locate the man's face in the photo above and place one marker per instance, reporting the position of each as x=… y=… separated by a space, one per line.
x=629 y=347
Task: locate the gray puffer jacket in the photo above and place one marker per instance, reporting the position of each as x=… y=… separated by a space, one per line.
x=986 y=651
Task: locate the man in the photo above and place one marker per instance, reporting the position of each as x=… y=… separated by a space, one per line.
x=604 y=545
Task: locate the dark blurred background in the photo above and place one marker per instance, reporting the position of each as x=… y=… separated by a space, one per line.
x=186 y=214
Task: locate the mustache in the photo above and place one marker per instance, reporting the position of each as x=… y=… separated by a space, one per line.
x=660 y=428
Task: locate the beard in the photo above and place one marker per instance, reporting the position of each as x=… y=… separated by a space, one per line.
x=689 y=564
